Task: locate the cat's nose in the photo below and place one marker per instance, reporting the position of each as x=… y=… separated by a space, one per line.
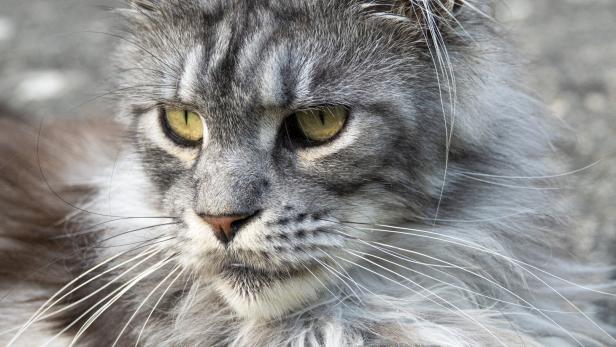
x=226 y=227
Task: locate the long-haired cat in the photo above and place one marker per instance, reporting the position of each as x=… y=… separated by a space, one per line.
x=301 y=173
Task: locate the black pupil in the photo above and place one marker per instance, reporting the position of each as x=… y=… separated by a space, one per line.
x=292 y=134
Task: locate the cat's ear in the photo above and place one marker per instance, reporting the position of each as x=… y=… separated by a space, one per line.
x=139 y=12
x=422 y=12
x=143 y=5
x=440 y=8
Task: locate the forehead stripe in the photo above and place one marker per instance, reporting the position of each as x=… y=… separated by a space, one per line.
x=221 y=46
x=188 y=82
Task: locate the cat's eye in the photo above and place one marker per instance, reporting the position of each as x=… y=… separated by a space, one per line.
x=183 y=126
x=321 y=124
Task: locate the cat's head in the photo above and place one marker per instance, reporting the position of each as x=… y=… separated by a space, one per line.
x=274 y=129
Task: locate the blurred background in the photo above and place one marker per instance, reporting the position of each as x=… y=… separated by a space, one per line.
x=54 y=62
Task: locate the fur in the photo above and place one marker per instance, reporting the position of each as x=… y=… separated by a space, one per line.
x=433 y=219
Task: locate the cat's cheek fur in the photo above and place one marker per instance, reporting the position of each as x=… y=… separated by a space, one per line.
x=128 y=192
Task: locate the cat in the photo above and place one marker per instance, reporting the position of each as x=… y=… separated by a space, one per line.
x=301 y=173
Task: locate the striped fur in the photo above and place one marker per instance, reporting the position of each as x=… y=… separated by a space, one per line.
x=433 y=219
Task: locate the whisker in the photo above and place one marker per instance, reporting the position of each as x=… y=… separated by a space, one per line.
x=135 y=230
x=143 y=303
x=120 y=92
x=517 y=213
x=478 y=220
x=520 y=264
x=500 y=286
x=155 y=306
x=341 y=268
x=73 y=304
x=467 y=244
x=460 y=311
x=90 y=230
x=504 y=185
x=117 y=296
x=158 y=59
x=340 y=301
x=84 y=314
x=42 y=309
x=373 y=294
x=150 y=243
x=442 y=65
x=457 y=312
x=339 y=276
x=540 y=311
x=160 y=239
x=46 y=180
x=568 y=173
x=62 y=258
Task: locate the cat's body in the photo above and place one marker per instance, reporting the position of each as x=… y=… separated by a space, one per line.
x=423 y=222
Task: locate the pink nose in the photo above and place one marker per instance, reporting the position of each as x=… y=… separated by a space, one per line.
x=225 y=227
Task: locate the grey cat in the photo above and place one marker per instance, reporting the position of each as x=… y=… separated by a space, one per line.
x=302 y=173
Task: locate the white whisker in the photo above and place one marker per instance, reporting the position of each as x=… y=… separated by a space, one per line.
x=568 y=173
x=43 y=308
x=155 y=306
x=522 y=266
x=337 y=275
x=458 y=312
x=143 y=303
x=532 y=307
x=73 y=304
x=340 y=301
x=84 y=314
x=117 y=296
x=477 y=247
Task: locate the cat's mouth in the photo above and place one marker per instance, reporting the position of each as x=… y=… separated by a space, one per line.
x=267 y=292
x=243 y=272
x=246 y=275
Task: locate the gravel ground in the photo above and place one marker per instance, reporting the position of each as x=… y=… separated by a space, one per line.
x=53 y=61
x=571 y=45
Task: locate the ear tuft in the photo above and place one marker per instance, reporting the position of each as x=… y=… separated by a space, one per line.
x=456 y=6
x=144 y=5
x=442 y=9
x=417 y=10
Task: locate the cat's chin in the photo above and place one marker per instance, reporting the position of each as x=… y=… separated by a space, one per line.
x=262 y=295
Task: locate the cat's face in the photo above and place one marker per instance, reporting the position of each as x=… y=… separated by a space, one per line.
x=260 y=201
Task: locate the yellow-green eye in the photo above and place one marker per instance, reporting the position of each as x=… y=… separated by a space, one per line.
x=184 y=125
x=322 y=124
